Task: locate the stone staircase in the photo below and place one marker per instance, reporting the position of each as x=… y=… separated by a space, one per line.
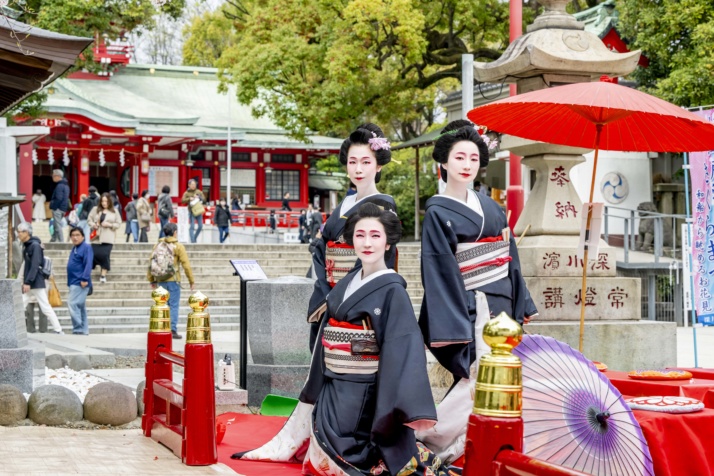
x=122 y=304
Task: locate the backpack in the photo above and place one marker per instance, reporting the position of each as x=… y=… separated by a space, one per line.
x=46 y=268
x=161 y=266
x=72 y=218
x=164 y=211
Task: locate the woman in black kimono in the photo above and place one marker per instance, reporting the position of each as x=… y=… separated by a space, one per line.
x=364 y=153
x=368 y=387
x=470 y=272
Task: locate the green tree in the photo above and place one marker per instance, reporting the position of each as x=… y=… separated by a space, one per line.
x=327 y=65
x=207 y=36
x=676 y=36
x=89 y=18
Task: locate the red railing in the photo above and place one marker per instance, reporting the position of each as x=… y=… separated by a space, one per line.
x=181 y=417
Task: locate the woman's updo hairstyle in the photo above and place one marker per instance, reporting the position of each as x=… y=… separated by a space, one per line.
x=457 y=131
x=388 y=219
x=361 y=136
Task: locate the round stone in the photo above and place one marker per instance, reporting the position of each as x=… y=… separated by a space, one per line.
x=13 y=406
x=110 y=403
x=140 y=396
x=80 y=362
x=55 y=361
x=54 y=405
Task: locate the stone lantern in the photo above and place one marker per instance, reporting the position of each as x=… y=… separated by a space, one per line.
x=556 y=50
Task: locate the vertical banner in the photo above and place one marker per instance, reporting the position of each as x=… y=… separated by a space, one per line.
x=687 y=268
x=702 y=173
x=183 y=224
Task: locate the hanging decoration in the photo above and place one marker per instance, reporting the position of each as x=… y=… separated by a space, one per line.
x=65 y=157
x=121 y=158
x=102 y=160
x=51 y=156
x=34 y=157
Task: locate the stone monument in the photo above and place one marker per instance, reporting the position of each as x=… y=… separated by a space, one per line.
x=278 y=337
x=556 y=50
x=21 y=365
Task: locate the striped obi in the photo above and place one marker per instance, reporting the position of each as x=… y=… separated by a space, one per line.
x=338 y=349
x=340 y=258
x=483 y=262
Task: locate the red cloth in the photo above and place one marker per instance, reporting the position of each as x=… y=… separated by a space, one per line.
x=247 y=432
x=693 y=388
x=678 y=443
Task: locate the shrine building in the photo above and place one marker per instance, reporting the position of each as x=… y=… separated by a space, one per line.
x=146 y=126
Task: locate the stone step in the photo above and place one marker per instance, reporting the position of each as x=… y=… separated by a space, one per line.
x=143 y=311
x=137 y=328
x=100 y=320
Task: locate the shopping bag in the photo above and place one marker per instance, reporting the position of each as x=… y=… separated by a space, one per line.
x=53 y=294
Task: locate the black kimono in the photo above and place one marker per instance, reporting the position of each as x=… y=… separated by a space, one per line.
x=448 y=310
x=332 y=231
x=364 y=407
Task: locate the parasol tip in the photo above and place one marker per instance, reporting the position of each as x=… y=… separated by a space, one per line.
x=502 y=334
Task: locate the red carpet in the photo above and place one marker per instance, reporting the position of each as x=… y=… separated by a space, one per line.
x=251 y=431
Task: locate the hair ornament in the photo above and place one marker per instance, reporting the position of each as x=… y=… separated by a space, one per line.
x=379 y=143
x=491 y=143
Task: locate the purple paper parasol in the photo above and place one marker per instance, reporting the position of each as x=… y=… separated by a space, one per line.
x=573 y=416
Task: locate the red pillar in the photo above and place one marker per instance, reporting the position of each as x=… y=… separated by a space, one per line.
x=24 y=184
x=514 y=192
x=485 y=437
x=304 y=193
x=199 y=413
x=216 y=183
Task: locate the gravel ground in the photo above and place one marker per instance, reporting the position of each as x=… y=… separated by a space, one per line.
x=135 y=362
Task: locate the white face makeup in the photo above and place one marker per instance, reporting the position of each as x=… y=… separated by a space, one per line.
x=370 y=241
x=463 y=163
x=362 y=165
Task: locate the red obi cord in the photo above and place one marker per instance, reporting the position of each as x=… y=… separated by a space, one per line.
x=346 y=325
x=492 y=262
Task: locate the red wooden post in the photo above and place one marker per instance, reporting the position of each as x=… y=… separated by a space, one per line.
x=199 y=412
x=159 y=336
x=514 y=192
x=496 y=420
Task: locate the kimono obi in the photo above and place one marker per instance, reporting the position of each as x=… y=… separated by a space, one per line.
x=483 y=262
x=350 y=349
x=340 y=258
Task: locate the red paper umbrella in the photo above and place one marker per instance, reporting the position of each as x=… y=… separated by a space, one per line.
x=601 y=115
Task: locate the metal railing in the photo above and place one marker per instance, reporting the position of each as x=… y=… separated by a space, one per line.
x=630 y=236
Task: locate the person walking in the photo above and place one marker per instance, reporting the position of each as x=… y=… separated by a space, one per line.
x=194 y=198
x=106 y=221
x=88 y=204
x=79 y=280
x=169 y=245
x=59 y=204
x=222 y=219
x=115 y=201
x=38 y=206
x=33 y=281
x=166 y=208
x=145 y=213
x=132 y=222
x=301 y=226
x=286 y=202
x=316 y=221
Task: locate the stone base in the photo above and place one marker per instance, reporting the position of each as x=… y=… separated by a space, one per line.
x=625 y=346
x=556 y=256
x=231 y=401
x=16 y=368
x=613 y=298
x=284 y=380
x=38 y=362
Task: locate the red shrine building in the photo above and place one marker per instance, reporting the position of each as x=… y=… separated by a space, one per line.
x=146 y=126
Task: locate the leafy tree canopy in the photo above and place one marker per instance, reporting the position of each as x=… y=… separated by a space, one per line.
x=327 y=65
x=207 y=36
x=88 y=18
x=676 y=36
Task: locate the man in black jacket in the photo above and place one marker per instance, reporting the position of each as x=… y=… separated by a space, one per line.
x=90 y=202
x=59 y=204
x=33 y=281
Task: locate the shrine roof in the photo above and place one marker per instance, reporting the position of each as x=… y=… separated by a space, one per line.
x=599 y=19
x=172 y=101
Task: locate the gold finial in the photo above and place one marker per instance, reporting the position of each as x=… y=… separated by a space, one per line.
x=499 y=385
x=160 y=315
x=198 y=328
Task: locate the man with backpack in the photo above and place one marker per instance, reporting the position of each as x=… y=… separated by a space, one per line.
x=88 y=204
x=33 y=279
x=164 y=270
